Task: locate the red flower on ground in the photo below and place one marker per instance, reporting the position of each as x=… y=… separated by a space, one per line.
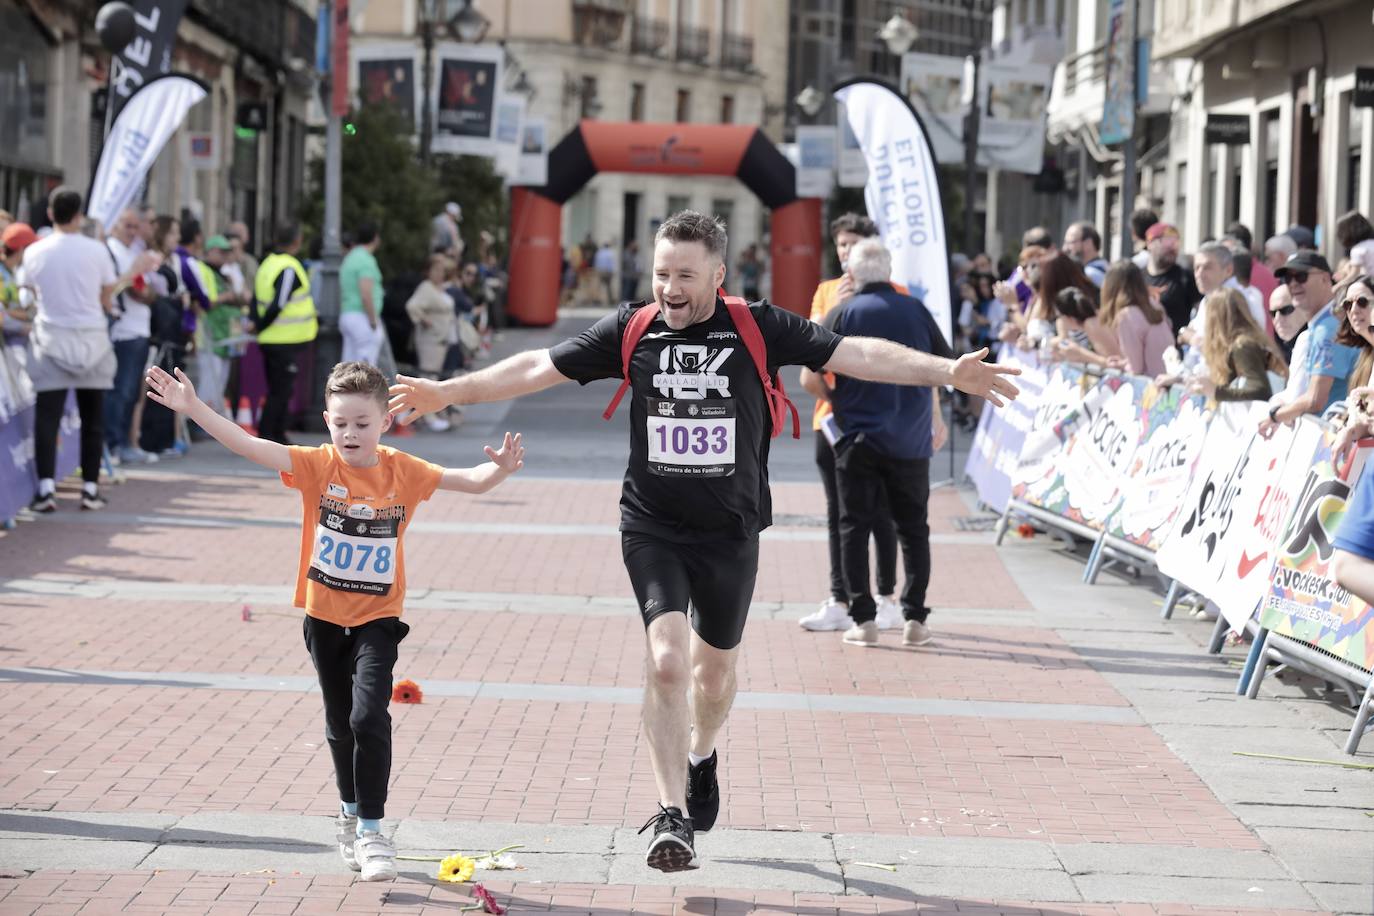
x=1025 y=530
x=489 y=904
x=407 y=691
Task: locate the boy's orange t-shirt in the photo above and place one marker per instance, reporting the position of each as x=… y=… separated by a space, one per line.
x=352 y=562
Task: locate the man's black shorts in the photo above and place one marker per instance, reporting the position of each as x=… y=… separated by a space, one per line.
x=716 y=579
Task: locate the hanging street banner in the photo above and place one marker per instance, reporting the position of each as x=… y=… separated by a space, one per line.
x=136 y=137
x=1011 y=133
x=1173 y=426
x=934 y=85
x=148 y=56
x=903 y=192
x=851 y=169
x=534 y=153
x=815 y=160
x=465 y=101
x=1118 y=106
x=1304 y=602
x=510 y=117
x=387 y=75
x=1002 y=431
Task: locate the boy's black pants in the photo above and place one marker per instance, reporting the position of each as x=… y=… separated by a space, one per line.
x=354 y=665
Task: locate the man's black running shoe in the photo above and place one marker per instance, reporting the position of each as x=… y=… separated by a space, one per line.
x=671 y=849
x=703 y=794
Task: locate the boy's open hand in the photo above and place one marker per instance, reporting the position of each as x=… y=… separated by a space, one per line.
x=510 y=457
x=173 y=393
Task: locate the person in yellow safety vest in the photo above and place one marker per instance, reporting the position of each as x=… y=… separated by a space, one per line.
x=285 y=319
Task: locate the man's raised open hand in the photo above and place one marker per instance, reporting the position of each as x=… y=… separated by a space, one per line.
x=985 y=380
x=419 y=396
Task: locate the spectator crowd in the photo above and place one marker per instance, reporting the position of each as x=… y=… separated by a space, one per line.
x=88 y=310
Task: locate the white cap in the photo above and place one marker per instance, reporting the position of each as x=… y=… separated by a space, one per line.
x=453 y=210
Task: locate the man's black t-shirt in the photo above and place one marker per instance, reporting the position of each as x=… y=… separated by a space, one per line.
x=1177 y=294
x=699 y=421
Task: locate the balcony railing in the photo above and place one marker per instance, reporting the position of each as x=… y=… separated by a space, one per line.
x=737 y=52
x=599 y=24
x=1083 y=70
x=650 y=36
x=693 y=44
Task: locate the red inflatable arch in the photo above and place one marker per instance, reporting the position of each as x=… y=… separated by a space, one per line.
x=661 y=149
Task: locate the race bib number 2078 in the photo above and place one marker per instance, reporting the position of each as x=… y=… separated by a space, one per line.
x=691 y=438
x=354 y=554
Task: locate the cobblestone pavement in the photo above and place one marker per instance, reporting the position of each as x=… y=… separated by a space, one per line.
x=1058 y=749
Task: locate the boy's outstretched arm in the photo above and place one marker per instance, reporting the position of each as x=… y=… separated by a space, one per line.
x=179 y=394
x=505 y=461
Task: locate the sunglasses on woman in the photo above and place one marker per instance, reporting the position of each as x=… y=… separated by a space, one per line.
x=1359 y=302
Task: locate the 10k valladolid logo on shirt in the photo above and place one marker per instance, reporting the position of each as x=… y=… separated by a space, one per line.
x=690 y=370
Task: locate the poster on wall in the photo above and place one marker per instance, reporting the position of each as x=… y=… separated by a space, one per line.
x=465 y=99
x=534 y=155
x=1303 y=601
x=815 y=160
x=388 y=76
x=1172 y=428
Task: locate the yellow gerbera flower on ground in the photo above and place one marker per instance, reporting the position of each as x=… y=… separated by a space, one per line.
x=456 y=869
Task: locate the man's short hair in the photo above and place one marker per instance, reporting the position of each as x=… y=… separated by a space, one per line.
x=357 y=378
x=869 y=262
x=1142 y=220
x=366 y=234
x=1283 y=243
x=286 y=235
x=189 y=230
x=691 y=226
x=1241 y=233
x=856 y=223
x=65 y=204
x=1217 y=252
x=1037 y=237
x=1242 y=265
x=1088 y=233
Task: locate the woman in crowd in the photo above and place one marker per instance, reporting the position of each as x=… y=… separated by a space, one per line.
x=1356 y=236
x=1026 y=326
x=431 y=309
x=152 y=426
x=1355 y=305
x=1142 y=329
x=1086 y=339
x=1238 y=354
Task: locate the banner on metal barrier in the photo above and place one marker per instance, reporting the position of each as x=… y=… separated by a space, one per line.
x=1038 y=478
x=1172 y=427
x=1002 y=431
x=1095 y=462
x=1303 y=601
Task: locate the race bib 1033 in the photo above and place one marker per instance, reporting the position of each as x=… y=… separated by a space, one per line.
x=691 y=438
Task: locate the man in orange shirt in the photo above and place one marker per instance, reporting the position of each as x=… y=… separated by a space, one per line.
x=846 y=231
x=356 y=497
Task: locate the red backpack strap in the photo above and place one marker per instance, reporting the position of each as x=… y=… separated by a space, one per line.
x=639 y=323
x=749 y=333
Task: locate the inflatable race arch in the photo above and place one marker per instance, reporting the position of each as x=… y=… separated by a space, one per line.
x=663 y=149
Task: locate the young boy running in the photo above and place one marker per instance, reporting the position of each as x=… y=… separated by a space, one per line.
x=357 y=497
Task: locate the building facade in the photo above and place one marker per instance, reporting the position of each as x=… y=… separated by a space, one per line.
x=247 y=160
x=695 y=61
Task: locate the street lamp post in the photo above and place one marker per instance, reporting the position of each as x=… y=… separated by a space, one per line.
x=464 y=23
x=972 y=123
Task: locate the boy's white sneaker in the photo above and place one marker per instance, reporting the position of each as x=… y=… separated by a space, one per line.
x=376 y=856
x=347 y=827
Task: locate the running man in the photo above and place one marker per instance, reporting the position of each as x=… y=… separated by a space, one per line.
x=696 y=491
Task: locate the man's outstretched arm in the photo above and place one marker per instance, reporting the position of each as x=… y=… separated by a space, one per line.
x=875 y=360
x=523 y=373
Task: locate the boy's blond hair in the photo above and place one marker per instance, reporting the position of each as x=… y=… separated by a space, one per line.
x=357 y=378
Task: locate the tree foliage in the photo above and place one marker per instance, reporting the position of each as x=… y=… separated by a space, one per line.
x=385 y=184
